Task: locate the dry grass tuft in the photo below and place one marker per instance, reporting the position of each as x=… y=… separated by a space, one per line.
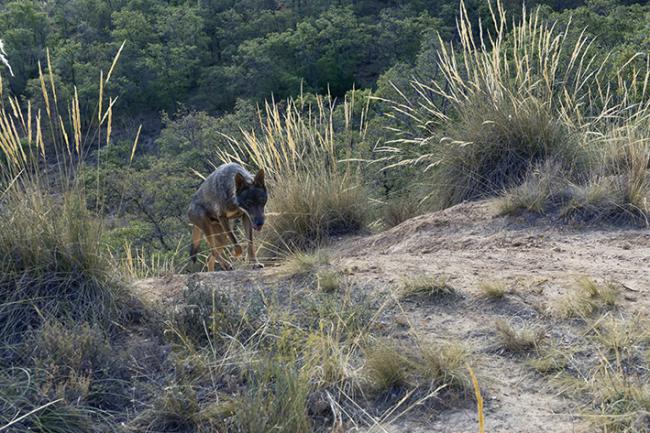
x=589 y=297
x=315 y=196
x=425 y=366
x=302 y=264
x=276 y=400
x=518 y=341
x=543 y=187
x=550 y=359
x=493 y=289
x=622 y=340
x=54 y=266
x=426 y=286
x=399 y=209
x=387 y=367
x=528 y=113
x=445 y=363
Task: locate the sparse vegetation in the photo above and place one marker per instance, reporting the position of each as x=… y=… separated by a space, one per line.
x=615 y=387
x=445 y=364
x=550 y=359
x=304 y=264
x=427 y=365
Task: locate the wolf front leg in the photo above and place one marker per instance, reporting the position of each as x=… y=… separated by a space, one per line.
x=248 y=228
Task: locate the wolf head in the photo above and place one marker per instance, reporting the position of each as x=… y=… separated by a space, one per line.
x=252 y=197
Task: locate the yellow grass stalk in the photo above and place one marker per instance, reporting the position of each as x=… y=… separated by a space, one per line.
x=76 y=121
x=29 y=122
x=46 y=98
x=109 y=122
x=65 y=136
x=39 y=134
x=101 y=96
x=135 y=144
x=51 y=76
x=479 y=400
x=115 y=59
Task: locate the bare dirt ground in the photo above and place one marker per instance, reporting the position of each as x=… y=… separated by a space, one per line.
x=539 y=261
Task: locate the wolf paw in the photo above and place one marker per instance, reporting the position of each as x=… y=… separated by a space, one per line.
x=225 y=266
x=257 y=265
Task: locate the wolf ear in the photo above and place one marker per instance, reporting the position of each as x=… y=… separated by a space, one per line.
x=240 y=182
x=259 y=179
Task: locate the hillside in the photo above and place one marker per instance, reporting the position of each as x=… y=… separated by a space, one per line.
x=539 y=264
x=455 y=199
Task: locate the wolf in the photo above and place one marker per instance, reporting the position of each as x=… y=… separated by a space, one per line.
x=230 y=192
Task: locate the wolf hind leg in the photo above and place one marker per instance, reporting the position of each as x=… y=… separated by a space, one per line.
x=196 y=241
x=217 y=242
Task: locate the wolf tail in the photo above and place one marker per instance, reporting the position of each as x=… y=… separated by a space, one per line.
x=196 y=241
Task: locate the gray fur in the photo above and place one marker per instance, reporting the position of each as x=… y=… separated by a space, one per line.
x=217 y=194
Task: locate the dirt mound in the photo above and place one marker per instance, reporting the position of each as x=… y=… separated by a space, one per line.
x=469 y=241
x=538 y=264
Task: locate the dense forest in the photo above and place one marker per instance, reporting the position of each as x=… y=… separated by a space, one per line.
x=207 y=54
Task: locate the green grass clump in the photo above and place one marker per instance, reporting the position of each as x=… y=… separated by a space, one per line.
x=616 y=191
x=423 y=367
x=276 y=400
x=209 y=317
x=80 y=364
x=544 y=186
x=504 y=117
x=313 y=209
x=399 y=209
x=21 y=393
x=328 y=281
x=176 y=409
